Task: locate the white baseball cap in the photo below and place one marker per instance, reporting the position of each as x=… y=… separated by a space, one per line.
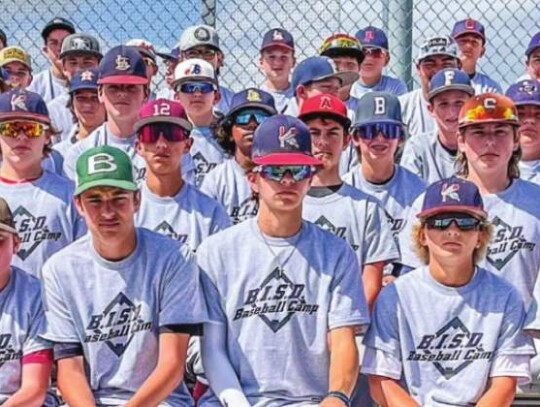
x=199 y=35
x=193 y=70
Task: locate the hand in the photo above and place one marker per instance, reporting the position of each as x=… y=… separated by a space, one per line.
x=387 y=280
x=332 y=402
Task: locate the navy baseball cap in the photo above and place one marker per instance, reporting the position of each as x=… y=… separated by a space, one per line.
x=372 y=37
x=252 y=98
x=452 y=195
x=525 y=92
x=278 y=37
x=450 y=79
x=20 y=104
x=318 y=68
x=173 y=54
x=57 y=23
x=84 y=79
x=378 y=107
x=469 y=26
x=122 y=65
x=533 y=44
x=282 y=140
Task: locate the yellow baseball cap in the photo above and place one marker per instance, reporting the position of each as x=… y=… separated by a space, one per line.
x=15 y=54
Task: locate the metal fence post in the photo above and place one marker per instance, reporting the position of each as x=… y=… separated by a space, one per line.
x=400 y=25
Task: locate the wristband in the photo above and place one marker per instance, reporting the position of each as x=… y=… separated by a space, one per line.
x=340 y=395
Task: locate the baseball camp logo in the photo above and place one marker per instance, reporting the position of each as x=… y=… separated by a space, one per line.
x=202 y=167
x=165 y=228
x=339 y=231
x=247 y=209
x=33 y=231
x=506 y=243
x=7 y=349
x=451 y=349
x=276 y=301
x=117 y=324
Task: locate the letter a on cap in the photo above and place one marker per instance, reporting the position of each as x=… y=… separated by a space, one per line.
x=101 y=162
x=380 y=105
x=326 y=103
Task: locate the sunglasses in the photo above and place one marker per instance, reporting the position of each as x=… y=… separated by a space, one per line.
x=192 y=87
x=30 y=129
x=277 y=172
x=388 y=130
x=245 y=116
x=375 y=52
x=150 y=133
x=464 y=223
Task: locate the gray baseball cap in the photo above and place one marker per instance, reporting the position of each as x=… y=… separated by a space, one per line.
x=199 y=35
x=439 y=45
x=81 y=44
x=378 y=107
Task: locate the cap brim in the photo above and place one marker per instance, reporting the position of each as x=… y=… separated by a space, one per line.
x=247 y=105
x=344 y=121
x=10 y=60
x=471 y=210
x=287 y=159
x=127 y=185
x=277 y=44
x=447 y=54
x=484 y=121
x=168 y=56
x=530 y=50
x=475 y=32
x=527 y=102
x=464 y=88
x=194 y=79
x=123 y=80
x=375 y=121
x=84 y=87
x=64 y=54
x=164 y=119
x=60 y=26
x=9 y=229
x=18 y=115
x=344 y=52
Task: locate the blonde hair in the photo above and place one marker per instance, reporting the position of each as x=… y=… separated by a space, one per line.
x=422 y=251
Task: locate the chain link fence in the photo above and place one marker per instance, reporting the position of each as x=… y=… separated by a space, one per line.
x=242 y=23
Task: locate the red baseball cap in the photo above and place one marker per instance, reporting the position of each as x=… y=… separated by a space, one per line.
x=163 y=111
x=325 y=105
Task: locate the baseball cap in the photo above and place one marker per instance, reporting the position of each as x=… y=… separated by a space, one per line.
x=145 y=48
x=533 y=44
x=441 y=45
x=80 y=44
x=193 y=70
x=372 y=37
x=84 y=79
x=57 y=23
x=15 y=54
x=318 y=68
x=122 y=65
x=173 y=54
x=104 y=166
x=324 y=105
x=282 y=140
x=199 y=35
x=254 y=98
x=525 y=92
x=3 y=37
x=20 y=104
x=488 y=108
x=163 y=111
x=469 y=26
x=6 y=217
x=449 y=79
x=342 y=44
x=278 y=37
x=452 y=195
x=378 y=107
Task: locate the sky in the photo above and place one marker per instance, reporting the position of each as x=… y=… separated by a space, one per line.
x=242 y=23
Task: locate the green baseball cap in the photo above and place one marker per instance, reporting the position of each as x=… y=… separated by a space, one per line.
x=104 y=166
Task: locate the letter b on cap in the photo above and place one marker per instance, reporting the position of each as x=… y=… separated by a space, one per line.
x=380 y=105
x=101 y=162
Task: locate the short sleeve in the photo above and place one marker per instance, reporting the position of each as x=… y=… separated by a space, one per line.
x=381 y=363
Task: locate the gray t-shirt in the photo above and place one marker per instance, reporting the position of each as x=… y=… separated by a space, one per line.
x=116 y=310
x=205 y=152
x=530 y=170
x=61 y=116
x=190 y=216
x=277 y=319
x=357 y=218
x=228 y=185
x=21 y=322
x=446 y=341
x=281 y=97
x=47 y=85
x=514 y=250
x=415 y=113
x=425 y=156
x=45 y=217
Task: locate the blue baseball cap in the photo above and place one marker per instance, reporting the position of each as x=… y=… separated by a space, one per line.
x=372 y=37
x=20 y=104
x=278 y=37
x=252 y=98
x=122 y=65
x=533 y=44
x=525 y=92
x=378 y=107
x=172 y=55
x=282 y=140
x=469 y=26
x=84 y=79
x=450 y=79
x=452 y=195
x=318 y=68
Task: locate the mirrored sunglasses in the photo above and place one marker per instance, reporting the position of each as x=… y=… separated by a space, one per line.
x=192 y=87
x=277 y=172
x=245 y=116
x=171 y=132
x=31 y=129
x=388 y=130
x=464 y=223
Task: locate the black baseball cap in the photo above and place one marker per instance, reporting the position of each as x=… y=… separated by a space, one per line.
x=56 y=24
